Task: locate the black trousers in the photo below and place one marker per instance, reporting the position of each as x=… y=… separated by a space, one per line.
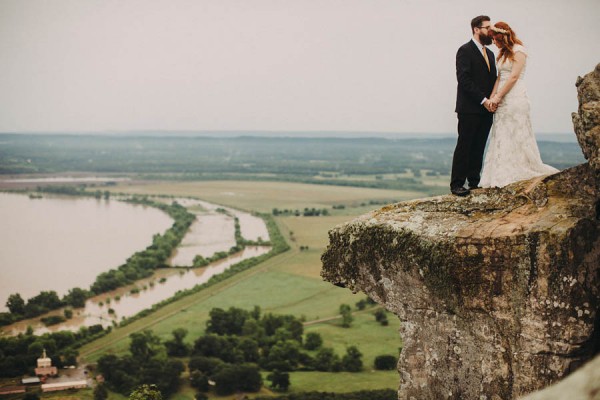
x=473 y=131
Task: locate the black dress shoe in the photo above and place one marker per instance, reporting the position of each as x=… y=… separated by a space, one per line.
x=460 y=191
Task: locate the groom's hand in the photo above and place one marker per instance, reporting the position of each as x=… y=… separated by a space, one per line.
x=490 y=106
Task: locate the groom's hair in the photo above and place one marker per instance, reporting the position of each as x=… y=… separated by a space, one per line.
x=476 y=22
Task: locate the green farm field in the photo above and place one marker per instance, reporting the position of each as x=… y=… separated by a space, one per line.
x=264 y=196
x=289 y=283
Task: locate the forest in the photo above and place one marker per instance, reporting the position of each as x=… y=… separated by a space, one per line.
x=237 y=345
x=249 y=157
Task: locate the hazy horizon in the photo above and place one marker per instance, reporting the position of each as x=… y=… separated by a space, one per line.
x=548 y=136
x=384 y=66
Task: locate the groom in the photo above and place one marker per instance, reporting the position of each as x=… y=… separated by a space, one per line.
x=476 y=75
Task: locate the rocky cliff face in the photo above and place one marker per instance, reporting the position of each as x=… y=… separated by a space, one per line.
x=498 y=292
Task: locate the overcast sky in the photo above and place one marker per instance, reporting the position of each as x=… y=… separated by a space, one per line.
x=277 y=65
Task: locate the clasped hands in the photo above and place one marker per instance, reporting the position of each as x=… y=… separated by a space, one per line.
x=492 y=104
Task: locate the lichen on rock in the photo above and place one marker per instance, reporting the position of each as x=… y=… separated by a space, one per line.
x=497 y=292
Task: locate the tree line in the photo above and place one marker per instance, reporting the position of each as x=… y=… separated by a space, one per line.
x=307 y=212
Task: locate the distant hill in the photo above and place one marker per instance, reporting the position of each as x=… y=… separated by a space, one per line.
x=160 y=153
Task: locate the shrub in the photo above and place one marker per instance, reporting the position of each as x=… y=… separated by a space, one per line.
x=381 y=317
x=53 y=320
x=313 y=341
x=385 y=362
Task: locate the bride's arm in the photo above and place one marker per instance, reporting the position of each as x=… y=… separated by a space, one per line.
x=517 y=67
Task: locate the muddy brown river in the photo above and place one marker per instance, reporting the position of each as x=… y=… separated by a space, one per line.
x=57 y=243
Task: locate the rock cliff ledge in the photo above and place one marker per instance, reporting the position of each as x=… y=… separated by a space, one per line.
x=498 y=292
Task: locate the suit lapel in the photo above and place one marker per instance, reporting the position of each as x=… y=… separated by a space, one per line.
x=492 y=58
x=479 y=55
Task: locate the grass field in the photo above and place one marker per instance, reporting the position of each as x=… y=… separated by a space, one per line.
x=264 y=196
x=285 y=284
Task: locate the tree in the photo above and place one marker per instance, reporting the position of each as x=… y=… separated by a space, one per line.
x=45 y=301
x=371 y=301
x=176 y=347
x=381 y=317
x=385 y=362
x=284 y=356
x=69 y=356
x=352 y=361
x=296 y=329
x=245 y=377
x=144 y=345
x=313 y=341
x=76 y=297
x=225 y=348
x=249 y=348
x=199 y=381
x=347 y=318
x=206 y=365
x=255 y=313
x=253 y=328
x=100 y=392
x=120 y=373
x=228 y=322
x=327 y=360
x=146 y=392
x=15 y=304
x=164 y=373
x=35 y=348
x=361 y=304
x=279 y=380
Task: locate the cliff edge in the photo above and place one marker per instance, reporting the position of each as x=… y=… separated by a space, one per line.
x=497 y=292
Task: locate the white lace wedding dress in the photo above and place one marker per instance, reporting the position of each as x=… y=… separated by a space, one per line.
x=512 y=154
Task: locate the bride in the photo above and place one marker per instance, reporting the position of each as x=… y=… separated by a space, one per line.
x=512 y=153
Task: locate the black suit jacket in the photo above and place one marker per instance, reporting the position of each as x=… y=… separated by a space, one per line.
x=475 y=82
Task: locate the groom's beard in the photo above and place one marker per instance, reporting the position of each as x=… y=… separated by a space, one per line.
x=485 y=39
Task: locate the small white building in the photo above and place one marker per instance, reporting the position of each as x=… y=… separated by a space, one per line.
x=53 y=387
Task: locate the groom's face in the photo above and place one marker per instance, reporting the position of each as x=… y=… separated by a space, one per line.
x=483 y=32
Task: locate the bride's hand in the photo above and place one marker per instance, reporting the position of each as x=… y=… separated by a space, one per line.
x=490 y=106
x=496 y=99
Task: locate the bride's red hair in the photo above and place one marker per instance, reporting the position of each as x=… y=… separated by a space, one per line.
x=506 y=38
